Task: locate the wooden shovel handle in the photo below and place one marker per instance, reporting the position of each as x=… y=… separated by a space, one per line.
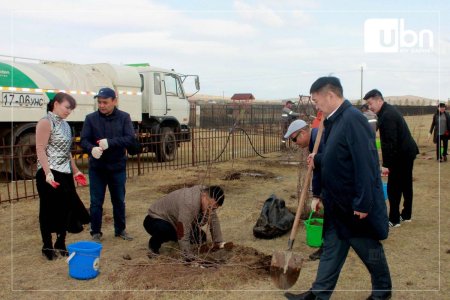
x=304 y=192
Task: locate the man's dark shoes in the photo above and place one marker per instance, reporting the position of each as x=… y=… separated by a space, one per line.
x=386 y=297
x=124 y=235
x=308 y=295
x=316 y=255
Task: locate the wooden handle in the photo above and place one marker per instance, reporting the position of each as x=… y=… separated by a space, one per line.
x=303 y=194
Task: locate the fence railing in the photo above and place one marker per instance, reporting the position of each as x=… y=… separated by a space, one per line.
x=206 y=146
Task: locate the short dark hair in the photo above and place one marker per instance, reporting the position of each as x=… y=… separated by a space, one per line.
x=442 y=105
x=364 y=107
x=216 y=192
x=328 y=83
x=373 y=93
x=60 y=97
x=289 y=102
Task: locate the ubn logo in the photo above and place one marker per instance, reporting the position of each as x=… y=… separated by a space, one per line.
x=390 y=36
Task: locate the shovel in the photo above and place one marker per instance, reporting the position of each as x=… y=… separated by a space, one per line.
x=286 y=265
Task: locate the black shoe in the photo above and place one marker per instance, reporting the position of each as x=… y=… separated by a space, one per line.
x=386 y=297
x=49 y=253
x=153 y=251
x=316 y=255
x=308 y=295
x=60 y=246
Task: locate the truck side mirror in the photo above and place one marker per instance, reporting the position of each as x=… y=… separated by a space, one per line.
x=197 y=83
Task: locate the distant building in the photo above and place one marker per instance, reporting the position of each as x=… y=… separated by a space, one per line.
x=246 y=98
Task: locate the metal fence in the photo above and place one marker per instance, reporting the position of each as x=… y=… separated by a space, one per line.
x=218 y=133
x=206 y=146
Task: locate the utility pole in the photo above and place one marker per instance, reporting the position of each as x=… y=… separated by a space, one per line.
x=362 y=68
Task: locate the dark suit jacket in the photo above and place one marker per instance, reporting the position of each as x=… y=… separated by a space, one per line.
x=397 y=144
x=351 y=176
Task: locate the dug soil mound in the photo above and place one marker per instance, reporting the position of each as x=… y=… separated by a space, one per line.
x=249 y=173
x=220 y=269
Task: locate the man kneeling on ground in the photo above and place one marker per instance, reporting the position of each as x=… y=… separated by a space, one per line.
x=179 y=216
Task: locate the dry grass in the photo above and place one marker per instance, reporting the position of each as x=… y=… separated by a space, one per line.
x=417 y=252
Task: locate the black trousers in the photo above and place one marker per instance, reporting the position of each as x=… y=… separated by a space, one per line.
x=162 y=232
x=335 y=252
x=400 y=183
x=441 y=140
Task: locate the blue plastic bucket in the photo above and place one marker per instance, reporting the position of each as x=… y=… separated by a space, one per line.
x=84 y=259
x=385 y=190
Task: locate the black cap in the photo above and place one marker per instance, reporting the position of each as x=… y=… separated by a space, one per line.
x=106 y=93
x=373 y=93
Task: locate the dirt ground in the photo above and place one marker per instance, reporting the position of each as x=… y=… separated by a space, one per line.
x=418 y=252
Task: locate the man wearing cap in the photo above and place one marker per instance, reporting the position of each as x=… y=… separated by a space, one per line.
x=352 y=195
x=299 y=133
x=287 y=116
x=399 y=151
x=106 y=134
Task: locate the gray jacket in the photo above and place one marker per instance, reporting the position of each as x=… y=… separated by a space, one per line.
x=181 y=208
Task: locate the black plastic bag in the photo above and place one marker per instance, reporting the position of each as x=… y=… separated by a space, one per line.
x=275 y=219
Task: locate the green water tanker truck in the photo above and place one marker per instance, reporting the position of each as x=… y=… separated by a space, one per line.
x=154 y=98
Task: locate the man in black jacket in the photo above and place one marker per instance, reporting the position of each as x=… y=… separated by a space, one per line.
x=354 y=207
x=399 y=150
x=105 y=136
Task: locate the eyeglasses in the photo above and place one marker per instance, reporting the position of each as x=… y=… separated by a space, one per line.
x=294 y=139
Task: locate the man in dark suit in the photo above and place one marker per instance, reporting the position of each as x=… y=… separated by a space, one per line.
x=355 y=212
x=399 y=151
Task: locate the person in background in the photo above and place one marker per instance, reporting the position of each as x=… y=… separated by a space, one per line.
x=399 y=150
x=58 y=198
x=287 y=116
x=300 y=134
x=440 y=128
x=316 y=122
x=371 y=117
x=179 y=216
x=105 y=136
x=352 y=194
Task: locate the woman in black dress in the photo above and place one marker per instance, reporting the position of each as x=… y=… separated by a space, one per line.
x=60 y=208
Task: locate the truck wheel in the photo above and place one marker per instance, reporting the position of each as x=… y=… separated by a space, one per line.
x=166 y=150
x=25 y=153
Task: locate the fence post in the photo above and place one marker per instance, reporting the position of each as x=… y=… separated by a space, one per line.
x=264 y=137
x=193 y=146
x=232 y=143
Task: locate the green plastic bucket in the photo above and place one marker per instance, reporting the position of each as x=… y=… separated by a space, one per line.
x=378 y=144
x=314 y=228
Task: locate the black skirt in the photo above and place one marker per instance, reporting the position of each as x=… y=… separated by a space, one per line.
x=60 y=209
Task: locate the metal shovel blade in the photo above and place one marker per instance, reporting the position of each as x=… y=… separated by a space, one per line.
x=285 y=269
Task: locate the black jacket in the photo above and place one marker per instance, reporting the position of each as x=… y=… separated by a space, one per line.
x=117 y=129
x=351 y=176
x=435 y=125
x=397 y=144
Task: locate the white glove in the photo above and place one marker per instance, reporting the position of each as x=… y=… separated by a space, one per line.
x=103 y=143
x=97 y=152
x=220 y=245
x=51 y=180
x=315 y=204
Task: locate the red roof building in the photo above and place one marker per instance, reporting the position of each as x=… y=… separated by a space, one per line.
x=243 y=98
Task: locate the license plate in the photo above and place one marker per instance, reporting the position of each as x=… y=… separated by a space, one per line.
x=14 y=99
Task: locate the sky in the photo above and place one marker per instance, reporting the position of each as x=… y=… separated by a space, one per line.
x=273 y=49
